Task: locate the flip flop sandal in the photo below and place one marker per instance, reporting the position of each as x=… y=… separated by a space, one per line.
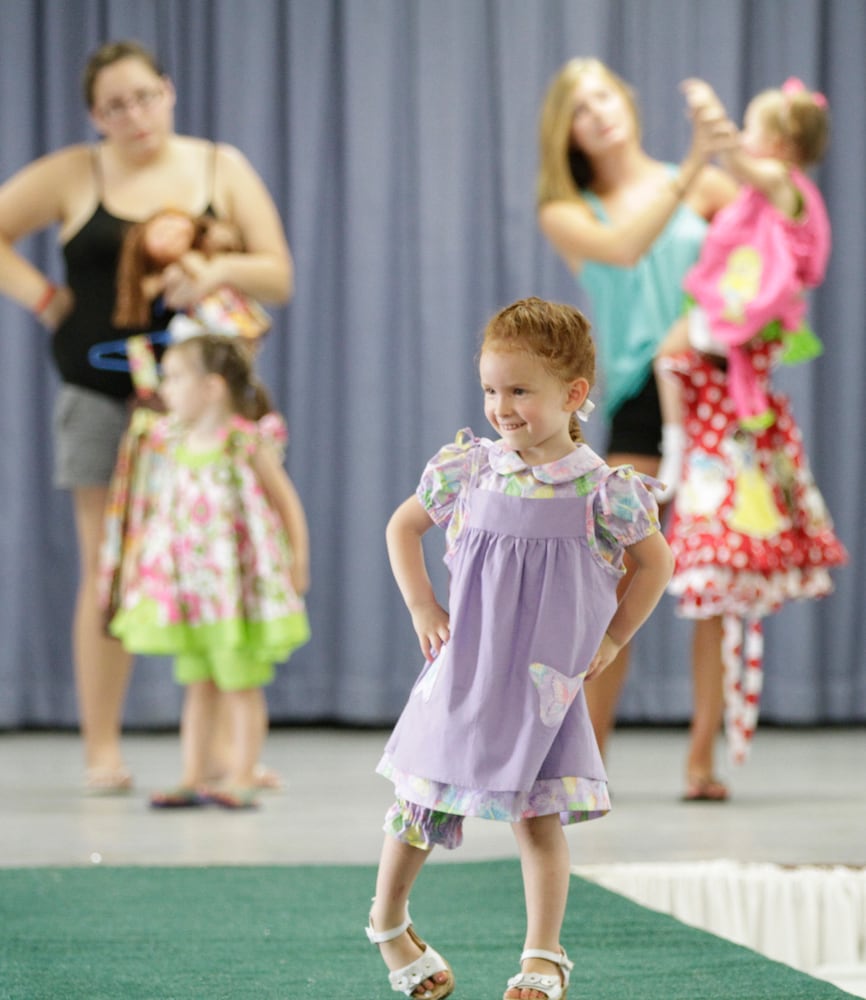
x=177 y=798
x=242 y=798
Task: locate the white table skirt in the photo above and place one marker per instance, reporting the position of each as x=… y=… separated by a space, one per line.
x=812 y=918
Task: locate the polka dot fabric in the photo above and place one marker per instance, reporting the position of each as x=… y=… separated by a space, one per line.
x=749 y=529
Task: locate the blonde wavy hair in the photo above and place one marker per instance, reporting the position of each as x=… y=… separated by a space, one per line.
x=563 y=170
x=800 y=118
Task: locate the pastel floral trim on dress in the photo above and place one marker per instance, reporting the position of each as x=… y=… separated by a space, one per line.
x=621 y=511
x=423 y=828
x=575 y=799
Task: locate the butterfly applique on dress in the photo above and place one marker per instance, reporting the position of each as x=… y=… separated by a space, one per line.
x=556 y=692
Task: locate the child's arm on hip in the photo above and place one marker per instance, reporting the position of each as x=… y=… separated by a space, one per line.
x=653 y=566
x=403 y=535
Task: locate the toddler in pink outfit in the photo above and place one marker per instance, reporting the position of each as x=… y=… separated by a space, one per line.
x=760 y=255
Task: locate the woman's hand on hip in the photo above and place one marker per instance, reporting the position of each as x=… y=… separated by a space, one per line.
x=61 y=305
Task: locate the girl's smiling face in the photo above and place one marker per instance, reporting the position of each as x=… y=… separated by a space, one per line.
x=527 y=405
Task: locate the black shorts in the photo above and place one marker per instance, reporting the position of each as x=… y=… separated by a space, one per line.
x=636 y=427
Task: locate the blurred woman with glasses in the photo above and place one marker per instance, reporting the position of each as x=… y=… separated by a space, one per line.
x=93 y=193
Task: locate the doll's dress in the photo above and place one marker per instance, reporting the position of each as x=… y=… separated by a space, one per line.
x=213 y=560
x=496 y=725
x=224 y=310
x=749 y=528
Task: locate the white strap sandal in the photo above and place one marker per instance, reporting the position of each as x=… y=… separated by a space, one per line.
x=410 y=977
x=553 y=987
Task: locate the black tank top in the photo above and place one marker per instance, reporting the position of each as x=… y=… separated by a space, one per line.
x=91 y=257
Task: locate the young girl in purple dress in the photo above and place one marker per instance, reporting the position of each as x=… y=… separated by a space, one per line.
x=496 y=725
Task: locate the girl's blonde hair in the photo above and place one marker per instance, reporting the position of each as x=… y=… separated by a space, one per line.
x=799 y=117
x=557 y=335
x=563 y=170
x=231 y=359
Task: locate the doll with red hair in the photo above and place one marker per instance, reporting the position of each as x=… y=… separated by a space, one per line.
x=174 y=239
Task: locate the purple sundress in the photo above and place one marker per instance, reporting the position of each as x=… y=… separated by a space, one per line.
x=497 y=726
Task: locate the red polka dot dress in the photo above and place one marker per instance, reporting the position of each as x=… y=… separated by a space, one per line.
x=749 y=528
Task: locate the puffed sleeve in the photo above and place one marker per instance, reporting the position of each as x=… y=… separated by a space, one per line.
x=623 y=511
x=242 y=437
x=446 y=476
x=272 y=430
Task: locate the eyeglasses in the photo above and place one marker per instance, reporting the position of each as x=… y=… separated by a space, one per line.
x=139 y=100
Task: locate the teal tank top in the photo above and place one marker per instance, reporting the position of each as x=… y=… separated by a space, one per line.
x=633 y=307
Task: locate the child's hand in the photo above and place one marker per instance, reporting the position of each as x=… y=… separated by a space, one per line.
x=300 y=577
x=430 y=622
x=605 y=655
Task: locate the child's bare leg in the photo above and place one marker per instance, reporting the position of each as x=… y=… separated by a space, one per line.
x=670 y=401
x=399 y=866
x=219 y=751
x=676 y=340
x=545 y=863
x=245 y=714
x=673 y=440
x=707 y=698
x=670 y=398
x=195 y=730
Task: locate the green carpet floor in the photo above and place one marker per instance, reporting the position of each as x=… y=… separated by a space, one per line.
x=286 y=933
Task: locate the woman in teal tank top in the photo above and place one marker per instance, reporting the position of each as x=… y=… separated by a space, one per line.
x=629 y=227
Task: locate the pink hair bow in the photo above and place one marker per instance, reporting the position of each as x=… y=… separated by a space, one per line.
x=794 y=85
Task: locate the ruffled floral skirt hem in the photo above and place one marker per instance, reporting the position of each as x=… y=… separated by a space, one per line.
x=711 y=590
x=575 y=799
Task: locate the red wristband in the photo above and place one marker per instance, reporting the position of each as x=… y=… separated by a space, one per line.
x=45 y=299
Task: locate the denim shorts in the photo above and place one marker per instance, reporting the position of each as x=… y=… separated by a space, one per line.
x=88 y=427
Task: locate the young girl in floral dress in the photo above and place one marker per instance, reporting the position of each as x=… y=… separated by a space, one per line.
x=223 y=561
x=496 y=726
x=169 y=240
